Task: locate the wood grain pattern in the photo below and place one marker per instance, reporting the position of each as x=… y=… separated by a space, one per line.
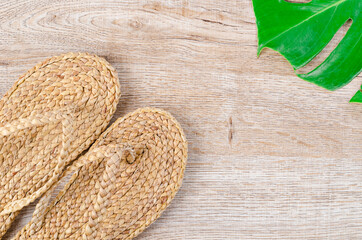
x=270 y=156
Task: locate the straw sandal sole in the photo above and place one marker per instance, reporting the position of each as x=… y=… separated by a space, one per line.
x=47 y=119
x=121 y=185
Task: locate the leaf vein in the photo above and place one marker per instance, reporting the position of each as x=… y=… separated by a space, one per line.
x=305 y=20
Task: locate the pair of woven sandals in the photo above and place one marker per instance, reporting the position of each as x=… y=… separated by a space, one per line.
x=53 y=122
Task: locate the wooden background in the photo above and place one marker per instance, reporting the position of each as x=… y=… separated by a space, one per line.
x=270 y=156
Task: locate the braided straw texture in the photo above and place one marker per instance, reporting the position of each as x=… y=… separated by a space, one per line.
x=47 y=119
x=123 y=183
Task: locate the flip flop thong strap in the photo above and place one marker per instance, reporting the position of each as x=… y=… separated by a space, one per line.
x=114 y=153
x=35 y=119
x=66 y=118
x=106 y=183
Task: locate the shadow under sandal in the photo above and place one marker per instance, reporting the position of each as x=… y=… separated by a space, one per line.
x=47 y=119
x=121 y=185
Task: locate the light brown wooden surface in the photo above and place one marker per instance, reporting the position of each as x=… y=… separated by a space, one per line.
x=270 y=156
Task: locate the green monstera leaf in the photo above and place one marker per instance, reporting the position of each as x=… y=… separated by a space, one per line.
x=299 y=31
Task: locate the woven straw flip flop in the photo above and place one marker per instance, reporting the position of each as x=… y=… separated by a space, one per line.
x=47 y=119
x=121 y=185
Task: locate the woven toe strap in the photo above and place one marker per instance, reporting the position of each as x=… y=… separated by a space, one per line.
x=34 y=120
x=120 y=151
x=66 y=118
x=112 y=155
